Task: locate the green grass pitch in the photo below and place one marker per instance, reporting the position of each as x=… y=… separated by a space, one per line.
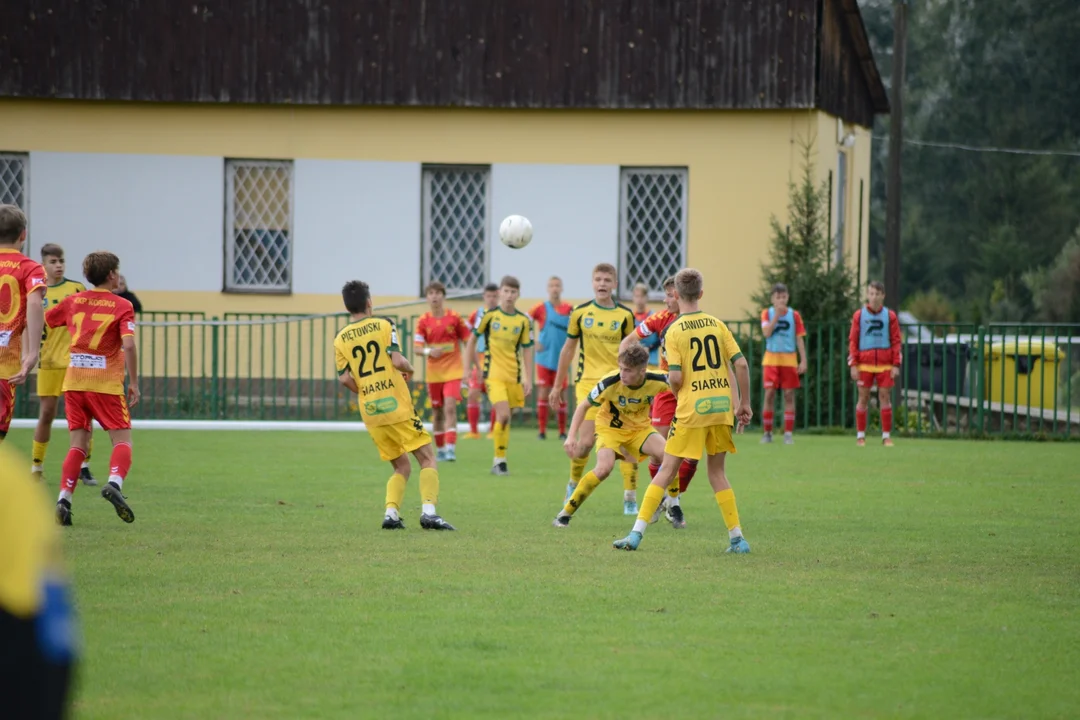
x=935 y=579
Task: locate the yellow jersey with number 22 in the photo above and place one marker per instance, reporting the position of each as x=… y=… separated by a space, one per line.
x=363 y=349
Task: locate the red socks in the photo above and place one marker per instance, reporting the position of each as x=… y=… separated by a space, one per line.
x=562 y=418
x=860 y=419
x=686 y=474
x=119 y=461
x=886 y=419
x=472 y=411
x=451 y=437
x=542 y=412
x=789 y=421
x=72 y=467
x=653 y=469
x=440 y=439
x=766 y=420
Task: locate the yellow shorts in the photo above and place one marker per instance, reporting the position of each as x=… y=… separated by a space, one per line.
x=397 y=439
x=624 y=442
x=510 y=393
x=50 y=383
x=691 y=442
x=581 y=393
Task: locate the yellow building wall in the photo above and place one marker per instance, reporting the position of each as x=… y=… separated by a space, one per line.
x=739 y=162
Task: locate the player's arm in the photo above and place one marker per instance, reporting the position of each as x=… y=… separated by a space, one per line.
x=569 y=349
x=393 y=349
x=768 y=326
x=575 y=424
x=35 y=324
x=745 y=412
x=895 y=341
x=801 y=344
x=470 y=355
x=131 y=363
x=344 y=372
x=633 y=338
x=674 y=358
x=538 y=315
x=853 y=344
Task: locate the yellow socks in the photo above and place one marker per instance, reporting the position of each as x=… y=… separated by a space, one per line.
x=726 y=500
x=577 y=469
x=673 y=488
x=653 y=495
x=629 y=475
x=501 y=434
x=38 y=456
x=429 y=486
x=584 y=489
x=395 y=493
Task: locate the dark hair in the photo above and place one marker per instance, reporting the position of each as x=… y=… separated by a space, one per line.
x=356 y=295
x=779 y=288
x=668 y=282
x=491 y=287
x=52 y=250
x=98 y=265
x=511 y=282
x=436 y=286
x=634 y=356
x=877 y=285
x=12 y=224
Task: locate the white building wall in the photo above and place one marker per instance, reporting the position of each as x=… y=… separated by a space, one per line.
x=574 y=210
x=162 y=214
x=356 y=220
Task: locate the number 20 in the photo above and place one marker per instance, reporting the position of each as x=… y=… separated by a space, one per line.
x=710 y=348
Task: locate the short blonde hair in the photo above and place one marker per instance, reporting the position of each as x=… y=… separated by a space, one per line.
x=688 y=282
x=605 y=268
x=511 y=282
x=642 y=287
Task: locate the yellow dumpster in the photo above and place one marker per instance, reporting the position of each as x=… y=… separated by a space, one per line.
x=1023 y=372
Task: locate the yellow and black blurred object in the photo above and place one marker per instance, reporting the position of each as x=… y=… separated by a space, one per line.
x=38 y=633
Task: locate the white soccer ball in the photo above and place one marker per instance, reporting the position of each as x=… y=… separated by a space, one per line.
x=515 y=232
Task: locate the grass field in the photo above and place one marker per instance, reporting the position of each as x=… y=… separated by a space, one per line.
x=936 y=579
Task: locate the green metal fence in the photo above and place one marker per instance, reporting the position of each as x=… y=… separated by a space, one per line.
x=955 y=379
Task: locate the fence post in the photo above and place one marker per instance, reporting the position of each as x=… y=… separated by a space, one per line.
x=215 y=386
x=980 y=385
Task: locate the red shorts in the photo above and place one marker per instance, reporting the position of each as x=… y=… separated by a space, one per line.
x=546 y=377
x=883 y=380
x=438 y=391
x=781 y=377
x=82 y=407
x=7 y=405
x=663 y=409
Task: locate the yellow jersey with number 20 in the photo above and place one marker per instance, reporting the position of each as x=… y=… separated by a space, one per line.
x=363 y=349
x=700 y=346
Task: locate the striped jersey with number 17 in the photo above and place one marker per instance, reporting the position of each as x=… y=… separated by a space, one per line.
x=98 y=322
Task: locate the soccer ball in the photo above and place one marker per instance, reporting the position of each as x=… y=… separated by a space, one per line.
x=515 y=232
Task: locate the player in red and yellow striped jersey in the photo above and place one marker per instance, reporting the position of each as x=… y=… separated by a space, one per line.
x=22 y=302
x=439 y=334
x=55 y=346
x=102 y=327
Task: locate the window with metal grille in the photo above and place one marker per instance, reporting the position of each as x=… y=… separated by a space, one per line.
x=14 y=182
x=455 y=217
x=258 y=225
x=652 y=227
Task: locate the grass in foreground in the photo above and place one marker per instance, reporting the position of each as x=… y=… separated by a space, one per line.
x=936 y=579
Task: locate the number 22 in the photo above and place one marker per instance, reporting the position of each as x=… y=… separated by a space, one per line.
x=373 y=348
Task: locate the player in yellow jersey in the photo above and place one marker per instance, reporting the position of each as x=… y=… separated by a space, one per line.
x=55 y=351
x=699 y=350
x=623 y=401
x=369 y=362
x=595 y=330
x=508 y=365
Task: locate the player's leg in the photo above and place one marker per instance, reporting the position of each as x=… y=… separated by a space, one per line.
x=85 y=476
x=395 y=487
x=863 y=401
x=605 y=463
x=544 y=379
x=885 y=386
x=629 y=473
x=472 y=410
x=111 y=412
x=69 y=471
x=438 y=420
x=43 y=431
x=7 y=407
x=789 y=416
x=651 y=502
x=501 y=437
x=562 y=411
x=725 y=499
x=451 y=398
x=769 y=403
x=429 y=489
x=585 y=440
